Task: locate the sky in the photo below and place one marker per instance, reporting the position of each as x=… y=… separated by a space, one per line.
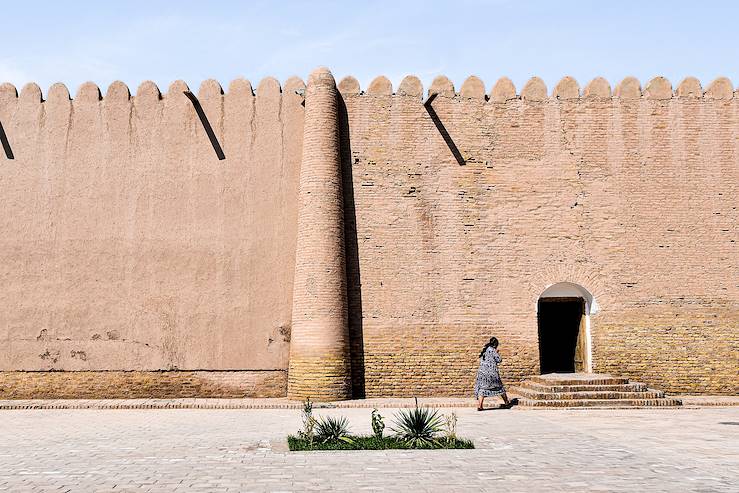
x=131 y=40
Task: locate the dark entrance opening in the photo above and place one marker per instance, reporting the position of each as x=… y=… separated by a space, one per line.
x=560 y=335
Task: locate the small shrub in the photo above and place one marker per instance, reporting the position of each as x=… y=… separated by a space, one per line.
x=418 y=427
x=450 y=426
x=330 y=429
x=307 y=433
x=378 y=424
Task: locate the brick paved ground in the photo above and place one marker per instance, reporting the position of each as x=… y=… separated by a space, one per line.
x=242 y=450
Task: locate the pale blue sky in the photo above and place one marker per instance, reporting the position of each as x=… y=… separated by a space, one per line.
x=103 y=41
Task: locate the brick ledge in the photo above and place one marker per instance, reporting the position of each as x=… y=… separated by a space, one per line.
x=689 y=402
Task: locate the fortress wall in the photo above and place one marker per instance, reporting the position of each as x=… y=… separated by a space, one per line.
x=631 y=195
x=128 y=245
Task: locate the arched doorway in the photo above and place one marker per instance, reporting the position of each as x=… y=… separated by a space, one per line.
x=563 y=315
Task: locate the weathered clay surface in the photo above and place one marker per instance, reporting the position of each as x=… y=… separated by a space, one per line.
x=127 y=245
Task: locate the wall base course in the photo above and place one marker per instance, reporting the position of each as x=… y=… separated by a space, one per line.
x=142 y=384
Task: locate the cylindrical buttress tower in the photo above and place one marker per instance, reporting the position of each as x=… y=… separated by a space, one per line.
x=320 y=365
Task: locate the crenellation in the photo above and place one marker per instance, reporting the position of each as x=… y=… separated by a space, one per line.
x=117 y=91
x=88 y=92
x=658 y=88
x=720 y=88
x=503 y=91
x=534 y=90
x=241 y=88
x=267 y=102
x=598 y=88
x=210 y=89
x=292 y=86
x=473 y=88
x=566 y=89
x=442 y=86
x=411 y=86
x=8 y=92
x=147 y=93
x=690 y=87
x=176 y=88
x=380 y=86
x=349 y=86
x=629 y=88
x=268 y=89
x=30 y=93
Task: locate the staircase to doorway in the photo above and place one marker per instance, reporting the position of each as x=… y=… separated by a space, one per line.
x=591 y=390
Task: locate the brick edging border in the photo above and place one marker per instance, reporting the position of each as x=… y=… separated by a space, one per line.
x=278 y=403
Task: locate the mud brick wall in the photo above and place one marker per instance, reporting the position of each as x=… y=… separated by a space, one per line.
x=630 y=194
x=129 y=249
x=128 y=245
x=141 y=384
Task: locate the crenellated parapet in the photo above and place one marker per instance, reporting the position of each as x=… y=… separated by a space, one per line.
x=535 y=90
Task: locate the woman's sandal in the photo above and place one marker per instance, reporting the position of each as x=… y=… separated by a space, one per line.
x=479 y=409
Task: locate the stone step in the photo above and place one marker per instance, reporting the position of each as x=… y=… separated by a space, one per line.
x=645 y=394
x=578 y=379
x=624 y=387
x=600 y=403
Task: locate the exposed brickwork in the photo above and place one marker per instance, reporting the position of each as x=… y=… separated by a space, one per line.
x=319 y=378
x=631 y=197
x=683 y=346
x=141 y=384
x=436 y=359
x=588 y=390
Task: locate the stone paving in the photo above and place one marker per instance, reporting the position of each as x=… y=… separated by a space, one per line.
x=690 y=401
x=244 y=450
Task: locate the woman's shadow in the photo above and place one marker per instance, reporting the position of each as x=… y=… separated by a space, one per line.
x=513 y=402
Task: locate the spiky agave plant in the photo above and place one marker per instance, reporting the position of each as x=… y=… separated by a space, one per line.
x=331 y=429
x=418 y=427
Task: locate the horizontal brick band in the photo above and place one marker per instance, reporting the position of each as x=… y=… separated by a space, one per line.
x=141 y=384
x=321 y=379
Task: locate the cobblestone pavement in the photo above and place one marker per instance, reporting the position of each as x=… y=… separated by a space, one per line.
x=244 y=450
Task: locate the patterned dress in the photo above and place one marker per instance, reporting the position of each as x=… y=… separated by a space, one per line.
x=488 y=381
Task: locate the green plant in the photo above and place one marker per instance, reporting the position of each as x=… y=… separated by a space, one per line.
x=418 y=427
x=309 y=422
x=330 y=429
x=371 y=442
x=450 y=426
x=378 y=424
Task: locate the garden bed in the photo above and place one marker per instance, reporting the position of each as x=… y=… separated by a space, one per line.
x=417 y=428
x=370 y=442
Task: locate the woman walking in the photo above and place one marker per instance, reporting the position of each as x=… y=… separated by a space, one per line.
x=488 y=381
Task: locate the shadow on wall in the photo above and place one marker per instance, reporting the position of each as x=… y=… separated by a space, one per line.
x=206 y=126
x=351 y=246
x=443 y=131
x=6 y=145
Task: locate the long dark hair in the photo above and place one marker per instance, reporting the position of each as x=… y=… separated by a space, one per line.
x=493 y=344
